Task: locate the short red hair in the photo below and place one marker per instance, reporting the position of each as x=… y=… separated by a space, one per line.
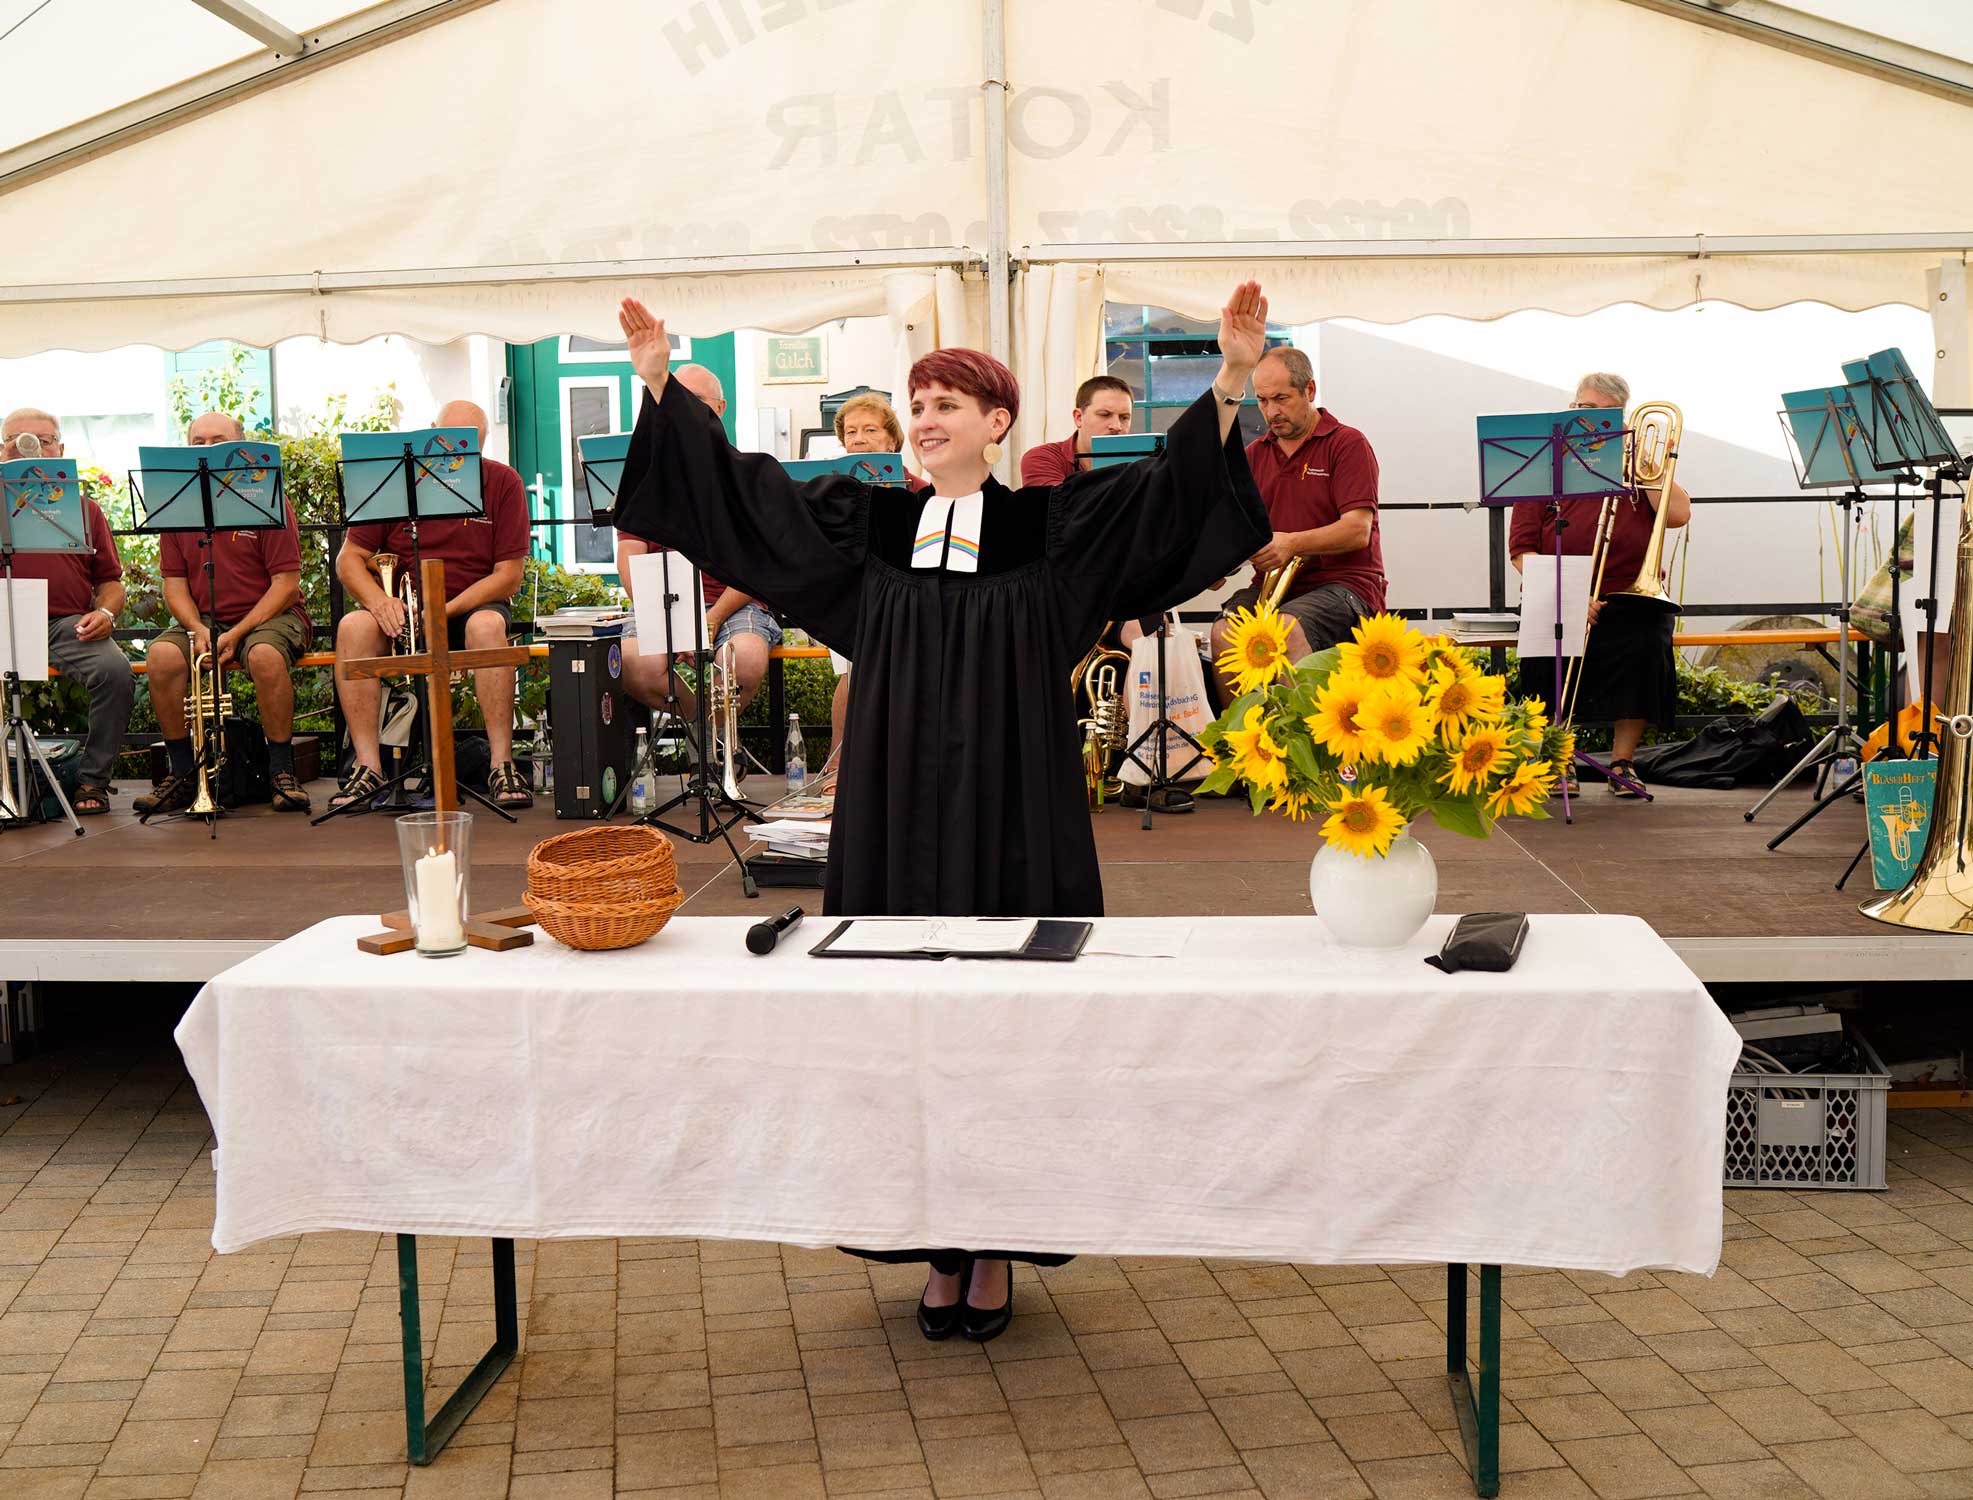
x=970 y=372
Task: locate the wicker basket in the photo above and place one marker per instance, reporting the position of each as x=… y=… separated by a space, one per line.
x=603 y=864
x=596 y=925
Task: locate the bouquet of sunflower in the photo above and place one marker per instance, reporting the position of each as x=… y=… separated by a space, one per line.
x=1376 y=731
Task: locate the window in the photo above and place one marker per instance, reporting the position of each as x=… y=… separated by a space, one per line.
x=589 y=407
x=579 y=350
x=1168 y=361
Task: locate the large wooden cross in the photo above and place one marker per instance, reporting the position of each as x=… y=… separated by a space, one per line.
x=497 y=930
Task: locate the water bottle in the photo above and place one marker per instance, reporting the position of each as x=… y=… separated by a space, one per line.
x=640 y=778
x=1842 y=769
x=797 y=756
x=544 y=762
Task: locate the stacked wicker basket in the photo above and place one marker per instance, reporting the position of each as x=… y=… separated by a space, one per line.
x=603 y=887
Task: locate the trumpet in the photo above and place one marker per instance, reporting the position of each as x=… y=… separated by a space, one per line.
x=1650 y=457
x=724 y=705
x=207 y=706
x=1274 y=584
x=399 y=583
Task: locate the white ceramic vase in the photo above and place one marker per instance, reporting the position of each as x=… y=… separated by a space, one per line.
x=1376 y=901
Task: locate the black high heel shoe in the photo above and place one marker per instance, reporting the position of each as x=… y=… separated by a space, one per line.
x=937 y=1323
x=982 y=1324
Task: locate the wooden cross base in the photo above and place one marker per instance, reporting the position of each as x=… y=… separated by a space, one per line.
x=498 y=931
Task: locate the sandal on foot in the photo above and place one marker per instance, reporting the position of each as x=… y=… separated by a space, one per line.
x=509 y=787
x=360 y=786
x=90 y=801
x=1624 y=780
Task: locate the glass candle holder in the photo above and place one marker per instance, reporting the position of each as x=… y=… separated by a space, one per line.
x=436 y=850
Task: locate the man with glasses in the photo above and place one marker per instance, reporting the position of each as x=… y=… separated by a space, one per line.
x=1319 y=480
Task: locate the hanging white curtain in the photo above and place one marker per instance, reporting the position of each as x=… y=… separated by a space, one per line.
x=1057 y=344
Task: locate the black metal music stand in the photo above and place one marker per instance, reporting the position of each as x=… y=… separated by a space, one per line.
x=243 y=493
x=1834 y=435
x=1104 y=452
x=1550 y=458
x=411 y=469
x=717 y=811
x=35 y=488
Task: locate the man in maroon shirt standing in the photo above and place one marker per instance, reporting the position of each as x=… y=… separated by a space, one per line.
x=484 y=559
x=257 y=578
x=1319 y=479
x=85 y=595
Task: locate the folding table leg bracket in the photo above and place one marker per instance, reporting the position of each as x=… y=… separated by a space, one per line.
x=1478 y=1410
x=422 y=1439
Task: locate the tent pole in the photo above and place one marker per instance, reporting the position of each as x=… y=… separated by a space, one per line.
x=1952 y=332
x=994 y=21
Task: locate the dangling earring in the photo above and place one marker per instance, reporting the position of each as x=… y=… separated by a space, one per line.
x=991 y=453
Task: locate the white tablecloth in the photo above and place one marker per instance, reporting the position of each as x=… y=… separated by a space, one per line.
x=1266 y=1094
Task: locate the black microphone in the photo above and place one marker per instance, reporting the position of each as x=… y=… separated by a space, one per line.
x=762 y=936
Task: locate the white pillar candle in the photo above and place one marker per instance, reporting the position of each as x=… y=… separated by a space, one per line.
x=439 y=924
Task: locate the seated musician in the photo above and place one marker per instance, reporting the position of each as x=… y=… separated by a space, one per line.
x=731 y=616
x=864 y=424
x=1319 y=479
x=1628 y=677
x=262 y=627
x=484 y=559
x=85 y=595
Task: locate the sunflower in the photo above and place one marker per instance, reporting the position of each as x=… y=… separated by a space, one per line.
x=1385 y=648
x=1296 y=807
x=1336 y=724
x=1256 y=754
x=1457 y=702
x=1537 y=715
x=1363 y=823
x=1475 y=757
x=1522 y=792
x=1256 y=649
x=1396 y=726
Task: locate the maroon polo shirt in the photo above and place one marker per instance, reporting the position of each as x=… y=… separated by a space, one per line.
x=74 y=576
x=1533 y=530
x=1331 y=471
x=471 y=547
x=1051 y=463
x=243 y=566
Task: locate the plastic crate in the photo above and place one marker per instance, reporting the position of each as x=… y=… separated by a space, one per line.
x=1808 y=1130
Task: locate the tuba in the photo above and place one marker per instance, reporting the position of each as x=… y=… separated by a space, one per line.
x=1099 y=677
x=1650 y=458
x=1939 y=895
x=403 y=587
x=207 y=706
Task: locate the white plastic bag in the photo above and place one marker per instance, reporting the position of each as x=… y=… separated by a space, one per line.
x=1186 y=705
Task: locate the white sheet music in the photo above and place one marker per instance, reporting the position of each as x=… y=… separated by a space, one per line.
x=935 y=935
x=1946 y=579
x=654 y=575
x=1537 y=636
x=29 y=615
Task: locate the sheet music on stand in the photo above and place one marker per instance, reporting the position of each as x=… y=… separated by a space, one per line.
x=444 y=465
x=24 y=617
x=1540 y=608
x=218 y=487
x=669 y=598
x=603 y=455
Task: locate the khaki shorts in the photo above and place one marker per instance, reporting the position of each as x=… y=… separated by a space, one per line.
x=285 y=633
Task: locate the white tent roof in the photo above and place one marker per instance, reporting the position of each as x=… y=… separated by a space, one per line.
x=504 y=166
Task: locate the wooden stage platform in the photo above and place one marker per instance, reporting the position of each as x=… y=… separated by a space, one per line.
x=130 y=903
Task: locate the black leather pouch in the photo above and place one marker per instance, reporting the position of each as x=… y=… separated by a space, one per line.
x=1485 y=940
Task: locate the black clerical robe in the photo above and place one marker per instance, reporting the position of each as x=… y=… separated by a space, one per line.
x=963 y=791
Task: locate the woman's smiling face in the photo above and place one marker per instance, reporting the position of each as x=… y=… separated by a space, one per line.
x=949 y=426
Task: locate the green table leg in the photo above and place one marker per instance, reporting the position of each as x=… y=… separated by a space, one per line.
x=422 y=1439
x=1478 y=1411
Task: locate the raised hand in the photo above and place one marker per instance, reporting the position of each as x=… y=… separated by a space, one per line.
x=650 y=346
x=1243 y=328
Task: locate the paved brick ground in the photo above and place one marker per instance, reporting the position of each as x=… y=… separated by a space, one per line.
x=1829 y=1357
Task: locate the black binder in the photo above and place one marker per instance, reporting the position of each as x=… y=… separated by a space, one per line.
x=1054 y=941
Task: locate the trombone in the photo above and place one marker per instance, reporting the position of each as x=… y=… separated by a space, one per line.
x=1650 y=459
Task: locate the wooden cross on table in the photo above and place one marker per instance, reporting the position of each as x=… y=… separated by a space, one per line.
x=436 y=663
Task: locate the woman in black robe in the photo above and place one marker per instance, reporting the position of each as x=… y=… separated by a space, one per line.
x=964 y=610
